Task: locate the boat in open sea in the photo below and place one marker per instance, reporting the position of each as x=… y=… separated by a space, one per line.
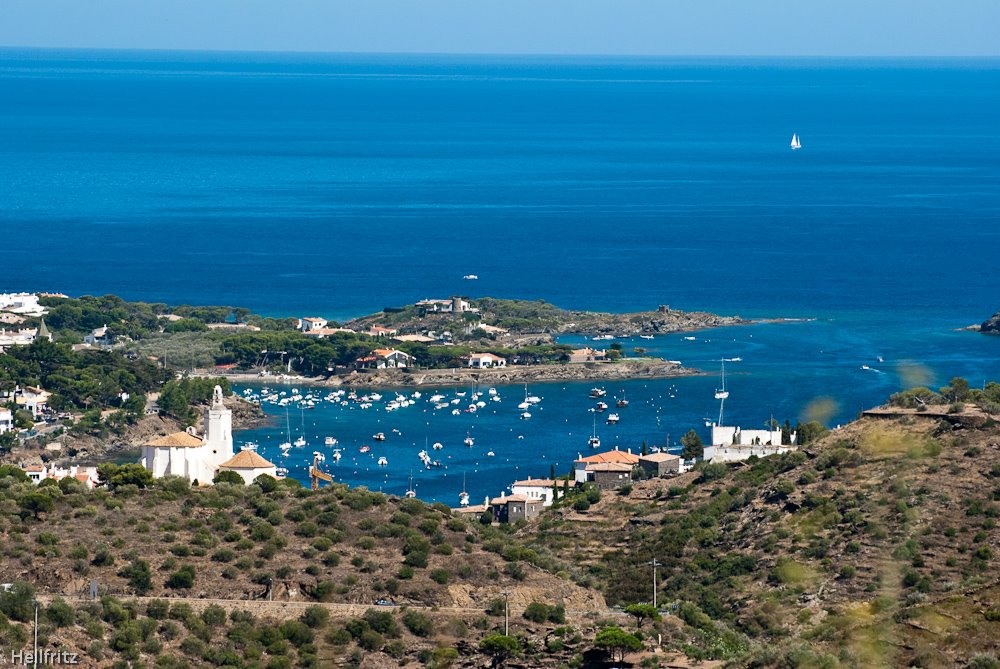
x=796 y=142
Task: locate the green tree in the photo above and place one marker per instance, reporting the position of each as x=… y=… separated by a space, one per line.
x=266 y=482
x=500 y=648
x=228 y=476
x=693 y=446
x=114 y=476
x=36 y=503
x=641 y=613
x=14 y=472
x=616 y=642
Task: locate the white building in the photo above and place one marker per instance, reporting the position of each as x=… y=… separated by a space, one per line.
x=454 y=305
x=307 y=324
x=99 y=337
x=732 y=444
x=249 y=465
x=536 y=489
x=583 y=467
x=85 y=475
x=6 y=420
x=17 y=337
x=25 y=304
x=486 y=360
x=184 y=454
x=34 y=400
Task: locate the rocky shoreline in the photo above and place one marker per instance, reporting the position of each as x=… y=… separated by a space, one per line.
x=633 y=368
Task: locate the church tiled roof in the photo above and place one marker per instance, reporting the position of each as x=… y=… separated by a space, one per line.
x=177 y=439
x=246 y=460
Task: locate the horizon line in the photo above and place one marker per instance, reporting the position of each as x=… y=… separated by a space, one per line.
x=477 y=54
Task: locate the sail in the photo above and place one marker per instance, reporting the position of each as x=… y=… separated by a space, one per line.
x=796 y=144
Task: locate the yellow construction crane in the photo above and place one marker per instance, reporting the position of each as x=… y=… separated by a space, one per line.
x=315 y=474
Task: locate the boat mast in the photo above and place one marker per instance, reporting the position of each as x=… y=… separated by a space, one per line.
x=722 y=393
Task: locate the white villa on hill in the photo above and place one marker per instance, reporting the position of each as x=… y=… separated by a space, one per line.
x=25 y=304
x=486 y=360
x=536 y=489
x=185 y=454
x=732 y=444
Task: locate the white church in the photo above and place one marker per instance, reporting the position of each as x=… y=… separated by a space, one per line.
x=201 y=458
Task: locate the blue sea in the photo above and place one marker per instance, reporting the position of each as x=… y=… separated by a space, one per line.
x=336 y=185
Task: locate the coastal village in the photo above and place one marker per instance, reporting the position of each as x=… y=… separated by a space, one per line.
x=200 y=459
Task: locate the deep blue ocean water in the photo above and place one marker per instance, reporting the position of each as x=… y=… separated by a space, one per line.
x=336 y=185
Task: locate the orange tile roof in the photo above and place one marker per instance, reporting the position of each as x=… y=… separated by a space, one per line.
x=536 y=483
x=659 y=457
x=609 y=467
x=611 y=456
x=182 y=439
x=247 y=460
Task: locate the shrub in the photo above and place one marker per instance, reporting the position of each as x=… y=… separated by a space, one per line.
x=227 y=476
x=139 y=575
x=59 y=613
x=214 y=616
x=418 y=623
x=371 y=640
x=315 y=617
x=440 y=576
x=382 y=622
x=182 y=578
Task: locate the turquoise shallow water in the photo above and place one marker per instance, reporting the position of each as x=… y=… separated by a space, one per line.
x=337 y=185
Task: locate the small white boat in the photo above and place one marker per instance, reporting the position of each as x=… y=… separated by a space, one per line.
x=490 y=454
x=330 y=441
x=300 y=442
x=525 y=415
x=379 y=436
x=470 y=277
x=437 y=446
x=382 y=461
x=796 y=142
x=613 y=419
x=645 y=336
x=337 y=455
x=690 y=338
x=597 y=392
x=492 y=391
x=410 y=492
x=865 y=367
x=468 y=441
x=601 y=406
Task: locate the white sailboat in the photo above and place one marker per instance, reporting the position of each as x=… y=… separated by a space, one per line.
x=594 y=441
x=796 y=143
x=463 y=497
x=410 y=492
x=721 y=393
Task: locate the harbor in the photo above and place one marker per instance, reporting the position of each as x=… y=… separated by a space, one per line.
x=799 y=371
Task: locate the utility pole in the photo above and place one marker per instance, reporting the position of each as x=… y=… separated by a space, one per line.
x=34 y=658
x=654 y=564
x=506 y=612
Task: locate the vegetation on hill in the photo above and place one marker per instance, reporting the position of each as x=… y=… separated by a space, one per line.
x=80 y=380
x=874 y=546
x=163 y=540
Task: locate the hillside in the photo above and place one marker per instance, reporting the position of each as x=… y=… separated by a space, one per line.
x=875 y=547
x=234 y=548
x=872 y=547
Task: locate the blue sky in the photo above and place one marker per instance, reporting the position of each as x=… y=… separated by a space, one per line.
x=641 y=27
